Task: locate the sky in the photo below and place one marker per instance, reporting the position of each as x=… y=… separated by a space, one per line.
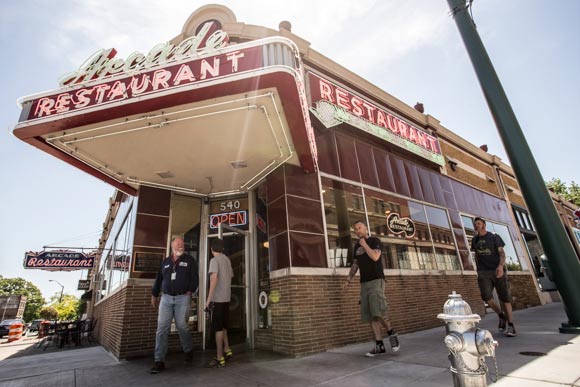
x=409 y=48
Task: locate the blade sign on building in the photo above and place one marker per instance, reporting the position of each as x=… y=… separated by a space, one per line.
x=58 y=260
x=334 y=105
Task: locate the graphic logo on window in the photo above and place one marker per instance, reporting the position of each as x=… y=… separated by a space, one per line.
x=398 y=225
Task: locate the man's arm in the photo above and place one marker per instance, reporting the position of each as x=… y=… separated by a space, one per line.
x=499 y=271
x=157 y=286
x=374 y=254
x=351 y=273
x=213 y=279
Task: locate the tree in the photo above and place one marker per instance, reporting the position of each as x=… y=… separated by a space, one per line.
x=67 y=308
x=34 y=299
x=49 y=313
x=569 y=192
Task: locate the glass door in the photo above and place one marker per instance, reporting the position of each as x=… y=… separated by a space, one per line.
x=235 y=247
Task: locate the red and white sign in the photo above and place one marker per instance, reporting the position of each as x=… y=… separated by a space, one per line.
x=324 y=90
x=148 y=82
x=236 y=218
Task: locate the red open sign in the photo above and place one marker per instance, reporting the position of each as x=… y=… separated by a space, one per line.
x=236 y=218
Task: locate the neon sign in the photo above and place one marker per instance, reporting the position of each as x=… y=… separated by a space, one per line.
x=334 y=105
x=236 y=218
x=58 y=260
x=103 y=62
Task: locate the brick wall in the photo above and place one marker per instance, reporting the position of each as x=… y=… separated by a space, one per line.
x=314 y=314
x=127 y=323
x=524 y=293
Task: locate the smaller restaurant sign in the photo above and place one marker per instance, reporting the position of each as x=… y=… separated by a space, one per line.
x=398 y=225
x=58 y=260
x=84 y=285
x=334 y=105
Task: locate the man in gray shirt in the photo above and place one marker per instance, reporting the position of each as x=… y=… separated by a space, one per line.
x=218 y=298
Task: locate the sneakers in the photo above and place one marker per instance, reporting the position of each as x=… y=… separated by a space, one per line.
x=157 y=367
x=377 y=350
x=394 y=340
x=229 y=354
x=188 y=357
x=511 y=331
x=502 y=324
x=217 y=363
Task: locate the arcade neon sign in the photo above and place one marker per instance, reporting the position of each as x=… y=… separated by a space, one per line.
x=334 y=105
x=58 y=260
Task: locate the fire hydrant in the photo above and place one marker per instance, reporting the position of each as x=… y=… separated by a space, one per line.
x=468 y=345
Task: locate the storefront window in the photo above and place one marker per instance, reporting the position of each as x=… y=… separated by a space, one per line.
x=343 y=205
x=413 y=235
x=116 y=256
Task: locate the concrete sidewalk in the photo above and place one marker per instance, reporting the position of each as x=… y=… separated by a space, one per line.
x=422 y=361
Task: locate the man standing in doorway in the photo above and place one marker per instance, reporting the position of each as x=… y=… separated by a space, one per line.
x=373 y=305
x=490 y=260
x=178 y=280
x=218 y=298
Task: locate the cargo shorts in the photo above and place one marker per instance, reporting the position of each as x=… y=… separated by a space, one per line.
x=372 y=300
x=487 y=281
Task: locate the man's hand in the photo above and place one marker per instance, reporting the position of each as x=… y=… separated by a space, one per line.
x=363 y=242
x=154 y=301
x=499 y=271
x=207 y=304
x=345 y=284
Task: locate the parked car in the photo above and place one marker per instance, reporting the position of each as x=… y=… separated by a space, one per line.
x=5 y=326
x=34 y=326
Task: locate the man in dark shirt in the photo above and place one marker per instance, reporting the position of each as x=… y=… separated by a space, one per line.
x=178 y=280
x=490 y=260
x=373 y=305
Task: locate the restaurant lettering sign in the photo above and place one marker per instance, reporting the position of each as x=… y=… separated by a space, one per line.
x=58 y=260
x=334 y=105
x=398 y=225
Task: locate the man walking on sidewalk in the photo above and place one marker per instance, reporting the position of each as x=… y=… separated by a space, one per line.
x=219 y=294
x=490 y=260
x=178 y=279
x=373 y=305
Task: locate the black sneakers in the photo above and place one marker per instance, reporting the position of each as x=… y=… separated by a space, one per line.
x=394 y=340
x=157 y=367
x=511 y=331
x=502 y=324
x=377 y=350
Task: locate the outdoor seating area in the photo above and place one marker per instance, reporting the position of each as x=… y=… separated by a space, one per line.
x=66 y=333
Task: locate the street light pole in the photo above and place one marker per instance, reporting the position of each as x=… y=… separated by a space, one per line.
x=563 y=260
x=61 y=289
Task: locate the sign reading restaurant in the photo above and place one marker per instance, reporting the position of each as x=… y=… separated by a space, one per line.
x=398 y=225
x=334 y=105
x=165 y=67
x=58 y=260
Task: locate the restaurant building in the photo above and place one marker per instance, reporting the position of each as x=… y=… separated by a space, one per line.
x=248 y=133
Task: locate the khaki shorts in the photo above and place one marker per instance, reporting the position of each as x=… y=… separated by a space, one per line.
x=372 y=300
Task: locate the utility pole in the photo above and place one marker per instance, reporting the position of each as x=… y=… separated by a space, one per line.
x=561 y=255
x=61 y=289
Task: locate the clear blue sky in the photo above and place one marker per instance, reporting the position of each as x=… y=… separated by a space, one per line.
x=410 y=48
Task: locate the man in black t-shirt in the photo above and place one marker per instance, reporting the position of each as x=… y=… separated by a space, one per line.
x=490 y=260
x=373 y=305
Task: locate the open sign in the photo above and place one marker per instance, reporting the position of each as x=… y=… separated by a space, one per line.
x=236 y=218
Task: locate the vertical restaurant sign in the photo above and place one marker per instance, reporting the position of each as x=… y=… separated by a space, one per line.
x=333 y=105
x=102 y=80
x=59 y=260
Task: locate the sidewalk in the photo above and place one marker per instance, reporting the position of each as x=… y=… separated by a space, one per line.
x=421 y=362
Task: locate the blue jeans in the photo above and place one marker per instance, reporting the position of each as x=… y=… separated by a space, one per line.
x=172 y=307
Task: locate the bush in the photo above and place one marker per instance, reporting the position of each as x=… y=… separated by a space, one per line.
x=49 y=313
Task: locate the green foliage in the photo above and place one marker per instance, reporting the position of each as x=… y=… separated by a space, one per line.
x=48 y=313
x=67 y=308
x=570 y=192
x=34 y=302
x=513 y=266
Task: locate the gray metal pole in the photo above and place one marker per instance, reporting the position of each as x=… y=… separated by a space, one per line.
x=563 y=260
